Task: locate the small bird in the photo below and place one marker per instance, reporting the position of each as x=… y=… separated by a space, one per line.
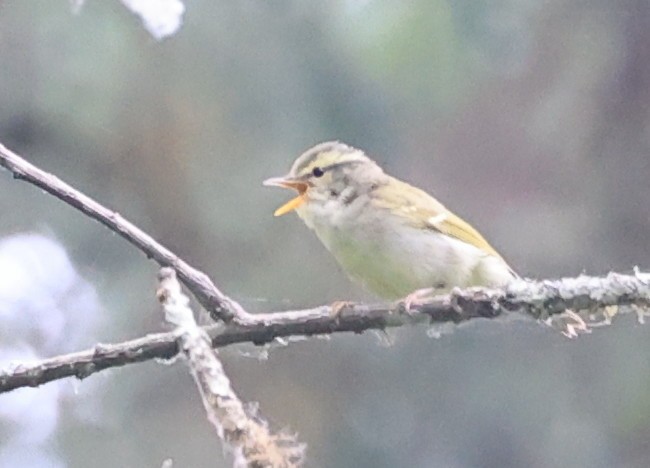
x=392 y=237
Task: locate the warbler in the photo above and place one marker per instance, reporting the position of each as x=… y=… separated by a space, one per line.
x=386 y=234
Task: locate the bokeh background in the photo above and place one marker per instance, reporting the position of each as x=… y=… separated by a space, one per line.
x=529 y=118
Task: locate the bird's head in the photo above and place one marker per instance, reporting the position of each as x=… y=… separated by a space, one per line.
x=330 y=173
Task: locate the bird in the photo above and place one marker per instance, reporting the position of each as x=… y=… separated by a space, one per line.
x=393 y=238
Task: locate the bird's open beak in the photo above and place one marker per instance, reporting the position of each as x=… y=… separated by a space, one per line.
x=286 y=182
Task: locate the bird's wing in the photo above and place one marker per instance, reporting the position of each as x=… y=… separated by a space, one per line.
x=421 y=210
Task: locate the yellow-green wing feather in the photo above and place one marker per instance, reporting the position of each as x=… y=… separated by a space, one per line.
x=460 y=229
x=421 y=210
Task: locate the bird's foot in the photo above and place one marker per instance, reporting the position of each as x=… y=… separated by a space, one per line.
x=337 y=307
x=416 y=298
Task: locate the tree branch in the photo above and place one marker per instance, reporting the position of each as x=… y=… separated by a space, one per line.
x=597 y=299
x=241 y=428
x=218 y=304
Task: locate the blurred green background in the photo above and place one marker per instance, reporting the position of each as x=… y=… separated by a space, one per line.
x=529 y=118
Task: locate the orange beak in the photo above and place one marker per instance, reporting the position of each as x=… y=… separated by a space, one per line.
x=286 y=182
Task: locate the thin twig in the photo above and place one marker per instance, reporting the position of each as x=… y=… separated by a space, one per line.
x=218 y=304
x=537 y=299
x=241 y=427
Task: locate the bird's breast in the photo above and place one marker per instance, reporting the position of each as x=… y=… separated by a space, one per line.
x=391 y=258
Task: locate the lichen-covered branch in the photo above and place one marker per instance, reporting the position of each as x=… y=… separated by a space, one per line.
x=218 y=304
x=597 y=299
x=241 y=428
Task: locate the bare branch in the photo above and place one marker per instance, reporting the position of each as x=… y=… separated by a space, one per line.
x=241 y=428
x=218 y=304
x=597 y=298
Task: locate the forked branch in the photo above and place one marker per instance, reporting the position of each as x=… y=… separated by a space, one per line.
x=598 y=299
x=241 y=428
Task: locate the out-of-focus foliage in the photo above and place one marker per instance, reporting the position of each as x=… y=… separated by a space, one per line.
x=530 y=119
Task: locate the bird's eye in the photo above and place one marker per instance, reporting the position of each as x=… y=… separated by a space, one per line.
x=317 y=172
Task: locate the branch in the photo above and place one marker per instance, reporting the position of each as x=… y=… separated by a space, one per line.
x=597 y=299
x=218 y=304
x=240 y=427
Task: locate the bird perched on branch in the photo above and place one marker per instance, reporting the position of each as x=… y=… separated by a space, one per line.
x=390 y=236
